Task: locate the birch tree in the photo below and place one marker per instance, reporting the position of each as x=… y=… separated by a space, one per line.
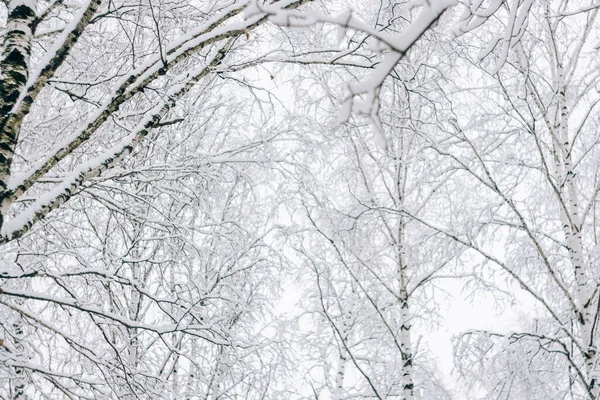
x=372 y=269
x=146 y=66
x=529 y=151
x=132 y=266
x=110 y=295
x=154 y=282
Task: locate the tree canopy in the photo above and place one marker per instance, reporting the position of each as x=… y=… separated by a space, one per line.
x=284 y=199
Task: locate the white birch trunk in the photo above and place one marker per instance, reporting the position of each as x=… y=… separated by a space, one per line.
x=175 y=373
x=571 y=221
x=405 y=337
x=14 y=65
x=18 y=383
x=343 y=358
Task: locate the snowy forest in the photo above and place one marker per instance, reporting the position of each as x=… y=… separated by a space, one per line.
x=299 y=199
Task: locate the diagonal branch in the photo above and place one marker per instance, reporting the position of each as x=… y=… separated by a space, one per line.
x=23 y=222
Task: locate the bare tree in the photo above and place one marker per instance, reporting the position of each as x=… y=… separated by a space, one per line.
x=372 y=269
x=107 y=297
x=528 y=156
x=137 y=200
x=154 y=281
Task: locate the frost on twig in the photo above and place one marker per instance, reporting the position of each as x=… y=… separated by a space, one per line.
x=475 y=15
x=363 y=97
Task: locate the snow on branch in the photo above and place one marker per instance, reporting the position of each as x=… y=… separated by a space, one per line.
x=12 y=186
x=394 y=46
x=19 y=225
x=474 y=16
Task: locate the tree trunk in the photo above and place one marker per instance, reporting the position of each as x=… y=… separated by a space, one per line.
x=14 y=65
